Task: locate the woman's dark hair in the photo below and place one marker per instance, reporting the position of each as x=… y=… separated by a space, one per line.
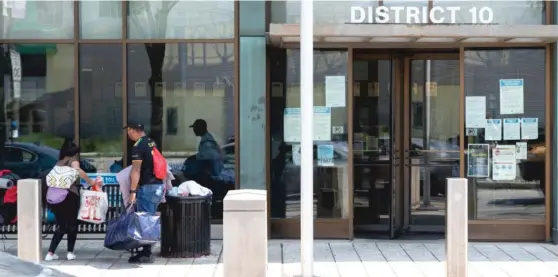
x=68 y=149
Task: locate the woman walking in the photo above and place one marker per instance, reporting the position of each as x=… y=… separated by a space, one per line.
x=66 y=212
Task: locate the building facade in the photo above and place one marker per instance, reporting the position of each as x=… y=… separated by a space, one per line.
x=406 y=94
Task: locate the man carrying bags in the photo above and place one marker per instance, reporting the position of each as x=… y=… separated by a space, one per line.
x=146 y=184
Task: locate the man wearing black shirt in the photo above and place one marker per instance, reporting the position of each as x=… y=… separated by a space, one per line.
x=146 y=190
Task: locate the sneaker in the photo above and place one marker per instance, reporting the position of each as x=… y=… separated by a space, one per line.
x=141 y=259
x=70 y=256
x=51 y=257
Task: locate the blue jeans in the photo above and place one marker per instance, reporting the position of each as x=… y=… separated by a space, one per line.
x=148 y=197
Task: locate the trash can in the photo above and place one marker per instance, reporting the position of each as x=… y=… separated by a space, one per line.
x=186 y=226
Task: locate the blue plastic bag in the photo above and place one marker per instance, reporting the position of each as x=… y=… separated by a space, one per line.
x=50 y=218
x=133 y=230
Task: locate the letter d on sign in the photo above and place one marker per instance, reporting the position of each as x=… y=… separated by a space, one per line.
x=361 y=12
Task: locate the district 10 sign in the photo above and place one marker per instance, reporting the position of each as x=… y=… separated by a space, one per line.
x=421 y=15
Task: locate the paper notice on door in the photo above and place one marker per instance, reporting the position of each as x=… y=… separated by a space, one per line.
x=512 y=129
x=521 y=150
x=325 y=155
x=475 y=111
x=478 y=164
x=493 y=130
x=504 y=162
x=529 y=128
x=511 y=96
x=335 y=91
x=291 y=123
x=322 y=124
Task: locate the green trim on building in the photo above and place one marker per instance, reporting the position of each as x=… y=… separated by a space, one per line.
x=43 y=48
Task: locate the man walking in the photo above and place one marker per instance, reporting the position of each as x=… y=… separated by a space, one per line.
x=146 y=190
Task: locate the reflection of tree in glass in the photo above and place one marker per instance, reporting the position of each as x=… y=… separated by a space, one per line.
x=157 y=24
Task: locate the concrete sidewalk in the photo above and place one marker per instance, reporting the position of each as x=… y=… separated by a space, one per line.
x=337 y=258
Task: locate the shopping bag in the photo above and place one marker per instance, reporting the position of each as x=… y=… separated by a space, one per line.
x=94 y=206
x=132 y=230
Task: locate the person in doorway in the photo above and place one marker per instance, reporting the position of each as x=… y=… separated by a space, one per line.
x=146 y=190
x=66 y=212
x=208 y=150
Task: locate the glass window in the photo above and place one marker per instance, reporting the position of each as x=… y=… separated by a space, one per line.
x=330 y=148
x=39 y=20
x=505 y=151
x=100 y=19
x=195 y=82
x=43 y=114
x=100 y=105
x=520 y=12
x=180 y=19
x=18 y=155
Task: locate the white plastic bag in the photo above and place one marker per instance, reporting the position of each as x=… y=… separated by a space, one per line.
x=193 y=188
x=94 y=206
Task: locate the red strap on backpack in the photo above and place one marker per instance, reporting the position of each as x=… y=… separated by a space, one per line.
x=159 y=164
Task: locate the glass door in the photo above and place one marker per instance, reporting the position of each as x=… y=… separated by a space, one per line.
x=431 y=138
x=372 y=144
x=379 y=191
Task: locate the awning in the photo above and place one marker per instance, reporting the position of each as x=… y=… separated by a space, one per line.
x=417 y=36
x=36 y=48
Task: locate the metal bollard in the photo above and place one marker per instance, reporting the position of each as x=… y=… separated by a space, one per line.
x=29 y=223
x=457 y=236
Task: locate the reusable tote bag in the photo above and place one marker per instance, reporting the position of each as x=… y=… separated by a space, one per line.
x=94 y=206
x=132 y=230
x=62 y=177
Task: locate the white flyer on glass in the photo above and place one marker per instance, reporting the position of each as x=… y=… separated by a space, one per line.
x=511 y=96
x=503 y=162
x=493 y=130
x=15 y=57
x=291 y=125
x=325 y=155
x=296 y=154
x=529 y=128
x=335 y=91
x=475 y=111
x=321 y=124
x=512 y=129
x=521 y=150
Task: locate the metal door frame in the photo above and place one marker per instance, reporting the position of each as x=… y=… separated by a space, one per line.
x=397 y=207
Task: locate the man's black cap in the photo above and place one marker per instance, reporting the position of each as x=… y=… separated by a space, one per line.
x=199 y=123
x=135 y=126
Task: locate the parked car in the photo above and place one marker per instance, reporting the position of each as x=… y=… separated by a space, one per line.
x=443 y=158
x=30 y=160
